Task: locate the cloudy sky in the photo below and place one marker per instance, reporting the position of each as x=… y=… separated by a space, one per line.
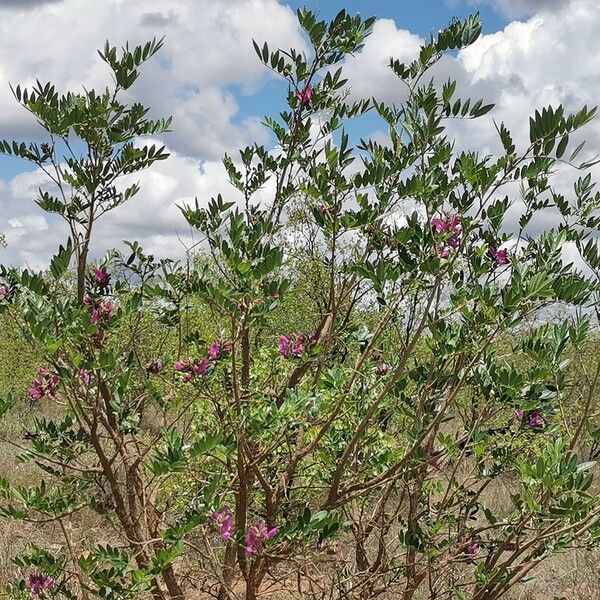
x=533 y=53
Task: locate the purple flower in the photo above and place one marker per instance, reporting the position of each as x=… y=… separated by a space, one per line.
x=472 y=548
x=305 y=96
x=285 y=345
x=192 y=367
x=535 y=420
x=156 y=365
x=218 y=349
x=519 y=412
x=298 y=347
x=85 y=376
x=201 y=367
x=101 y=277
x=100 y=310
x=451 y=225
x=292 y=345
x=381 y=369
x=500 y=256
x=224 y=520
x=38 y=583
x=46 y=385
x=257 y=534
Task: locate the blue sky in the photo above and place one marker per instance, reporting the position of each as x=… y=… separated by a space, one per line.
x=419 y=16
x=532 y=53
x=422 y=17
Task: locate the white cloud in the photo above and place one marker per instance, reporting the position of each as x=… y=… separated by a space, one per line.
x=200 y=77
x=550 y=58
x=208 y=47
x=153 y=217
x=520 y=8
x=368 y=72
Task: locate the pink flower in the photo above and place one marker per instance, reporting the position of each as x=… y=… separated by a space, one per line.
x=519 y=412
x=44 y=386
x=438 y=224
x=201 y=367
x=305 y=96
x=292 y=345
x=535 y=420
x=298 y=347
x=441 y=251
x=218 y=349
x=224 y=520
x=452 y=225
x=181 y=366
x=449 y=224
x=101 y=277
x=156 y=365
x=95 y=315
x=435 y=457
x=257 y=535
x=38 y=583
x=4 y=292
x=500 y=256
x=381 y=369
x=85 y=376
x=101 y=310
x=285 y=345
x=330 y=546
x=191 y=368
x=472 y=548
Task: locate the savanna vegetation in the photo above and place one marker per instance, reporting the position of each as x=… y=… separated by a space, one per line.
x=377 y=383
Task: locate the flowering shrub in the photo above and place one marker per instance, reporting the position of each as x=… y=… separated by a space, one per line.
x=348 y=453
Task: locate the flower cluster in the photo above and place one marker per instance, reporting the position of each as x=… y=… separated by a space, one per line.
x=219 y=349
x=100 y=310
x=472 y=548
x=44 y=386
x=5 y=292
x=155 y=366
x=38 y=583
x=201 y=366
x=101 y=277
x=499 y=256
x=451 y=226
x=534 y=419
x=305 y=96
x=381 y=369
x=192 y=368
x=224 y=520
x=435 y=457
x=293 y=345
x=86 y=377
x=256 y=535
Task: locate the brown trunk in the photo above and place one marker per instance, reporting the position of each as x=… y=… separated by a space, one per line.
x=175 y=591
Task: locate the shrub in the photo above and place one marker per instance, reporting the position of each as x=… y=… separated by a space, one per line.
x=347 y=451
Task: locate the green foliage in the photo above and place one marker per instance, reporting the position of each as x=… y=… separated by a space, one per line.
x=328 y=392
